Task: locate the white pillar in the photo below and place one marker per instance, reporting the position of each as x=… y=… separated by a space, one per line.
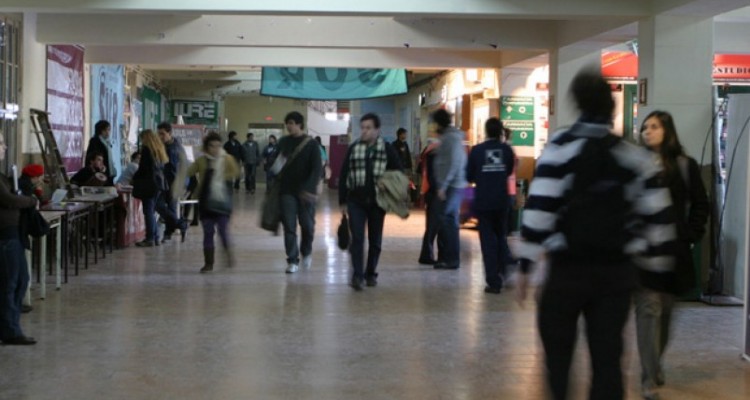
x=564 y=64
x=675 y=56
x=33 y=82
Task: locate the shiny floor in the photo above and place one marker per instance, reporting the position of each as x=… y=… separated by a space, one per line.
x=144 y=324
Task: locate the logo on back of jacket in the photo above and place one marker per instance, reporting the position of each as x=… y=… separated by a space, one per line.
x=493 y=161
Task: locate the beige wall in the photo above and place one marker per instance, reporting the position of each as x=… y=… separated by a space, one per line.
x=241 y=111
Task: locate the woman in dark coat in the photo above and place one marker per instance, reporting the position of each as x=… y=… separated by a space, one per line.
x=681 y=174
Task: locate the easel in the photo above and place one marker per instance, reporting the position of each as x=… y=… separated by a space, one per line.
x=53 y=164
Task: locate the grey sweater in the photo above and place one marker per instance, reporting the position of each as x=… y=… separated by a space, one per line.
x=450 y=160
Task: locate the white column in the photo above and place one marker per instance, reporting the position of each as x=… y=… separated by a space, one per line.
x=675 y=58
x=33 y=81
x=564 y=64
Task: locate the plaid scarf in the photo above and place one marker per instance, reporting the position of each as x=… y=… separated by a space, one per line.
x=358 y=163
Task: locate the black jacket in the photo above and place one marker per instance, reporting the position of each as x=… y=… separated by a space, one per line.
x=303 y=173
x=234 y=148
x=96 y=146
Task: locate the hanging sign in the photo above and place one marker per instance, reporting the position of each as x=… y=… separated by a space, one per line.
x=196 y=112
x=332 y=83
x=517 y=114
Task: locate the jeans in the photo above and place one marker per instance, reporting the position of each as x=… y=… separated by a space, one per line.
x=449 y=210
x=373 y=216
x=432 y=226
x=602 y=294
x=149 y=217
x=250 y=177
x=294 y=209
x=494 y=243
x=210 y=223
x=653 y=314
x=14 y=279
x=270 y=178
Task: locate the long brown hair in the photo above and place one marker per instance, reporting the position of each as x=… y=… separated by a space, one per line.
x=670 y=148
x=150 y=140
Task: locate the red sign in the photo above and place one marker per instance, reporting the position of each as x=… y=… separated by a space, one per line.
x=623 y=65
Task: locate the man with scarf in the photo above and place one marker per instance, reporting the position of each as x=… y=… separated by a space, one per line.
x=365 y=163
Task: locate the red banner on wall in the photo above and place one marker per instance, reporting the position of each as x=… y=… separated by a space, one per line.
x=65 y=102
x=623 y=65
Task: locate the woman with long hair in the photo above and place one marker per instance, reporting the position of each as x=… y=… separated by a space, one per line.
x=654 y=301
x=149 y=185
x=215 y=171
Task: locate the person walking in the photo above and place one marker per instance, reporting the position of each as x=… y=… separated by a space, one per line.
x=14 y=279
x=174 y=178
x=215 y=171
x=270 y=152
x=233 y=147
x=654 y=300
x=450 y=179
x=298 y=190
x=432 y=206
x=402 y=148
x=490 y=163
x=150 y=186
x=365 y=163
x=593 y=206
x=251 y=159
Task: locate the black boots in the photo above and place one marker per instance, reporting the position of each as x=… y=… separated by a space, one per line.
x=208 y=256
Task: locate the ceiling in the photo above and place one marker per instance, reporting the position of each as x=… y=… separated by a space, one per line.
x=215 y=48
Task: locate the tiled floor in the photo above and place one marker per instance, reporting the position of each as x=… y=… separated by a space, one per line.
x=143 y=324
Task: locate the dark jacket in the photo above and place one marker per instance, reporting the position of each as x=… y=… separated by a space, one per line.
x=86 y=177
x=233 y=147
x=96 y=146
x=489 y=165
x=269 y=155
x=691 y=208
x=148 y=169
x=402 y=148
x=175 y=153
x=11 y=204
x=303 y=173
x=250 y=152
x=364 y=195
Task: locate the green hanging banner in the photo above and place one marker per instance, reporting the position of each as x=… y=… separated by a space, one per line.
x=332 y=83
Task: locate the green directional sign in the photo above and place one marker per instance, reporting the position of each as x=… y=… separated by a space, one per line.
x=517 y=114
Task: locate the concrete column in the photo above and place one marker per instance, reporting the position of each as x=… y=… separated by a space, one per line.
x=564 y=64
x=675 y=56
x=33 y=82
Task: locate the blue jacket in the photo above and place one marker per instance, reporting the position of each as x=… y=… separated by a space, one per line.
x=489 y=165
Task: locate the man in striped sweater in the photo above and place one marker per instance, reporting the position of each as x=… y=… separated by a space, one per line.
x=598 y=210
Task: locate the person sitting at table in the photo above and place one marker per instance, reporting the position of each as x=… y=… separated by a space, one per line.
x=127 y=176
x=93 y=174
x=30 y=182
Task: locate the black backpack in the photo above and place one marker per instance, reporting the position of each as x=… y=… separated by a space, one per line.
x=595 y=213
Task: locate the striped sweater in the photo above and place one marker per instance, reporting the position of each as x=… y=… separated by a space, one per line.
x=651 y=232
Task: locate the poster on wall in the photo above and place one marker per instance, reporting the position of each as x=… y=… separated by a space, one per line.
x=151 y=116
x=107 y=98
x=517 y=114
x=65 y=102
x=196 y=112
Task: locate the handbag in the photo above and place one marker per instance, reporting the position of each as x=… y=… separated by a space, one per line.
x=343 y=234
x=211 y=204
x=270 y=217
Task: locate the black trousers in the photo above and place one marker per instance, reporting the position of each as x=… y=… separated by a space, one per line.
x=601 y=293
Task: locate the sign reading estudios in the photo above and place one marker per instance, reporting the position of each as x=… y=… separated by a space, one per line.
x=196 y=112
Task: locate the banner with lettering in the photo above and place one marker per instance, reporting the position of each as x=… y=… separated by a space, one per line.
x=332 y=83
x=196 y=112
x=65 y=102
x=107 y=98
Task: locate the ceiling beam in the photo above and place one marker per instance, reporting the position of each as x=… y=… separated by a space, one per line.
x=202 y=57
x=276 y=31
x=415 y=8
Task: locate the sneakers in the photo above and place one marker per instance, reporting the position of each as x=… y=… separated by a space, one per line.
x=292 y=268
x=306 y=262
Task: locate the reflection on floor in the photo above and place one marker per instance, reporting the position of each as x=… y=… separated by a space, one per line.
x=144 y=324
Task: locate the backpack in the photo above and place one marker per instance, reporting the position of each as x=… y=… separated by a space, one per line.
x=595 y=212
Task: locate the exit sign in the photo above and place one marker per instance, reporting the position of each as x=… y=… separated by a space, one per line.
x=196 y=111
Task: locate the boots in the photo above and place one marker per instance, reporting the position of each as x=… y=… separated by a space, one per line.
x=208 y=256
